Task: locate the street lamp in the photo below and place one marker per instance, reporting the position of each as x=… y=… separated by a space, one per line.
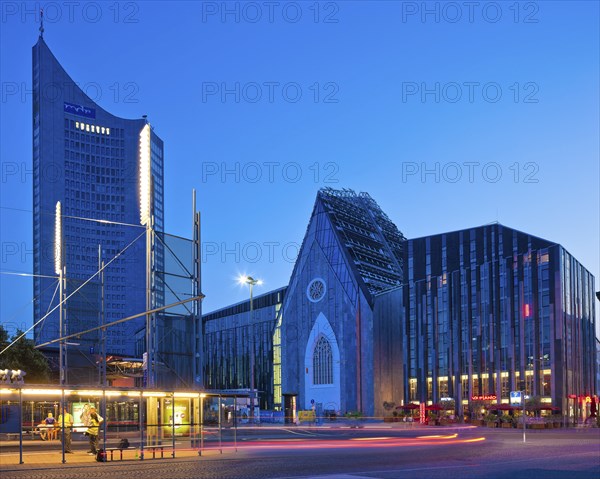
x=147 y=220
x=60 y=270
x=249 y=280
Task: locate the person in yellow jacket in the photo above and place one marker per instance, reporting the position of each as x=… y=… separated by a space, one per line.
x=67 y=419
x=92 y=431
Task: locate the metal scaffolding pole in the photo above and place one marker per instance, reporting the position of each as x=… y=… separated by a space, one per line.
x=198 y=324
x=150 y=317
x=102 y=320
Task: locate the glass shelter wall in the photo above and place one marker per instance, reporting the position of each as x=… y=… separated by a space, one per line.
x=152 y=422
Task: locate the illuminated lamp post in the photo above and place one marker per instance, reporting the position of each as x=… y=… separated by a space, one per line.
x=249 y=280
x=146 y=219
x=60 y=270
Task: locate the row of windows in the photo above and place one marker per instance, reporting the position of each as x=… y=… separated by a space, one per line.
x=96 y=232
x=100 y=214
x=93 y=128
x=96 y=163
x=71 y=176
x=115 y=297
x=91 y=264
x=108 y=285
x=85 y=185
x=115 y=331
x=79 y=125
x=78 y=147
x=83 y=213
x=74 y=162
x=77 y=198
x=99 y=140
x=92 y=259
x=540 y=384
x=74 y=267
x=84 y=195
x=101 y=170
x=96 y=206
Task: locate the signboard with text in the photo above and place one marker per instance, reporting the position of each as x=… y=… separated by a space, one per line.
x=307 y=416
x=79 y=110
x=177 y=418
x=489 y=397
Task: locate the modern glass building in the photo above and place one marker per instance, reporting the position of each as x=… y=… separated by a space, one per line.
x=90 y=161
x=490 y=310
x=239 y=342
x=371 y=320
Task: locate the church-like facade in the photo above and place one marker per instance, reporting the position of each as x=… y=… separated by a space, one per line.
x=350 y=253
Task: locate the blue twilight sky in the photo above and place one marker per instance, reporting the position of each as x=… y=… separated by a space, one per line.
x=450 y=118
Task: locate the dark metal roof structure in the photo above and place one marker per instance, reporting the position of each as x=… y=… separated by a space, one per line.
x=372 y=241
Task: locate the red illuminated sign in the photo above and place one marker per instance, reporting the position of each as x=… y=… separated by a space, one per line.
x=422 y=413
x=582 y=399
x=491 y=397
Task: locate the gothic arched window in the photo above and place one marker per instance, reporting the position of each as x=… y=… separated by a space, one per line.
x=322 y=362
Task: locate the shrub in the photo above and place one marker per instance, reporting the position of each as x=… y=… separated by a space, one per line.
x=490 y=418
x=354 y=415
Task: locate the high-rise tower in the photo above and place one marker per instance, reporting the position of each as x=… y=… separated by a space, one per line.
x=89 y=160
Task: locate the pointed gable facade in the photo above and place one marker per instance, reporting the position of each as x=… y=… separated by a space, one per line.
x=350 y=252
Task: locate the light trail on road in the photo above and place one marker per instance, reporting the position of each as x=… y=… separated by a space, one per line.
x=352 y=443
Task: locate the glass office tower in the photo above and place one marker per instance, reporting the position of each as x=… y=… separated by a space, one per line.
x=89 y=160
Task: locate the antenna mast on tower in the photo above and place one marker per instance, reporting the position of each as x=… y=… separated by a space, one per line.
x=42 y=23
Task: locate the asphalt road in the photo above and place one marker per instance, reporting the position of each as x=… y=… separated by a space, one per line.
x=364 y=453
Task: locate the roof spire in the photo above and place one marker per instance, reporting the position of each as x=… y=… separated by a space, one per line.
x=41 y=23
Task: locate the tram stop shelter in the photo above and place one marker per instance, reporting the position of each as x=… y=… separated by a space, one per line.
x=155 y=423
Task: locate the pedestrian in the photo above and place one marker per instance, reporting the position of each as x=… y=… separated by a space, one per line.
x=84 y=417
x=100 y=418
x=50 y=423
x=65 y=424
x=92 y=431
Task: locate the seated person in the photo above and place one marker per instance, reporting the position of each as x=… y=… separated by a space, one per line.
x=50 y=423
